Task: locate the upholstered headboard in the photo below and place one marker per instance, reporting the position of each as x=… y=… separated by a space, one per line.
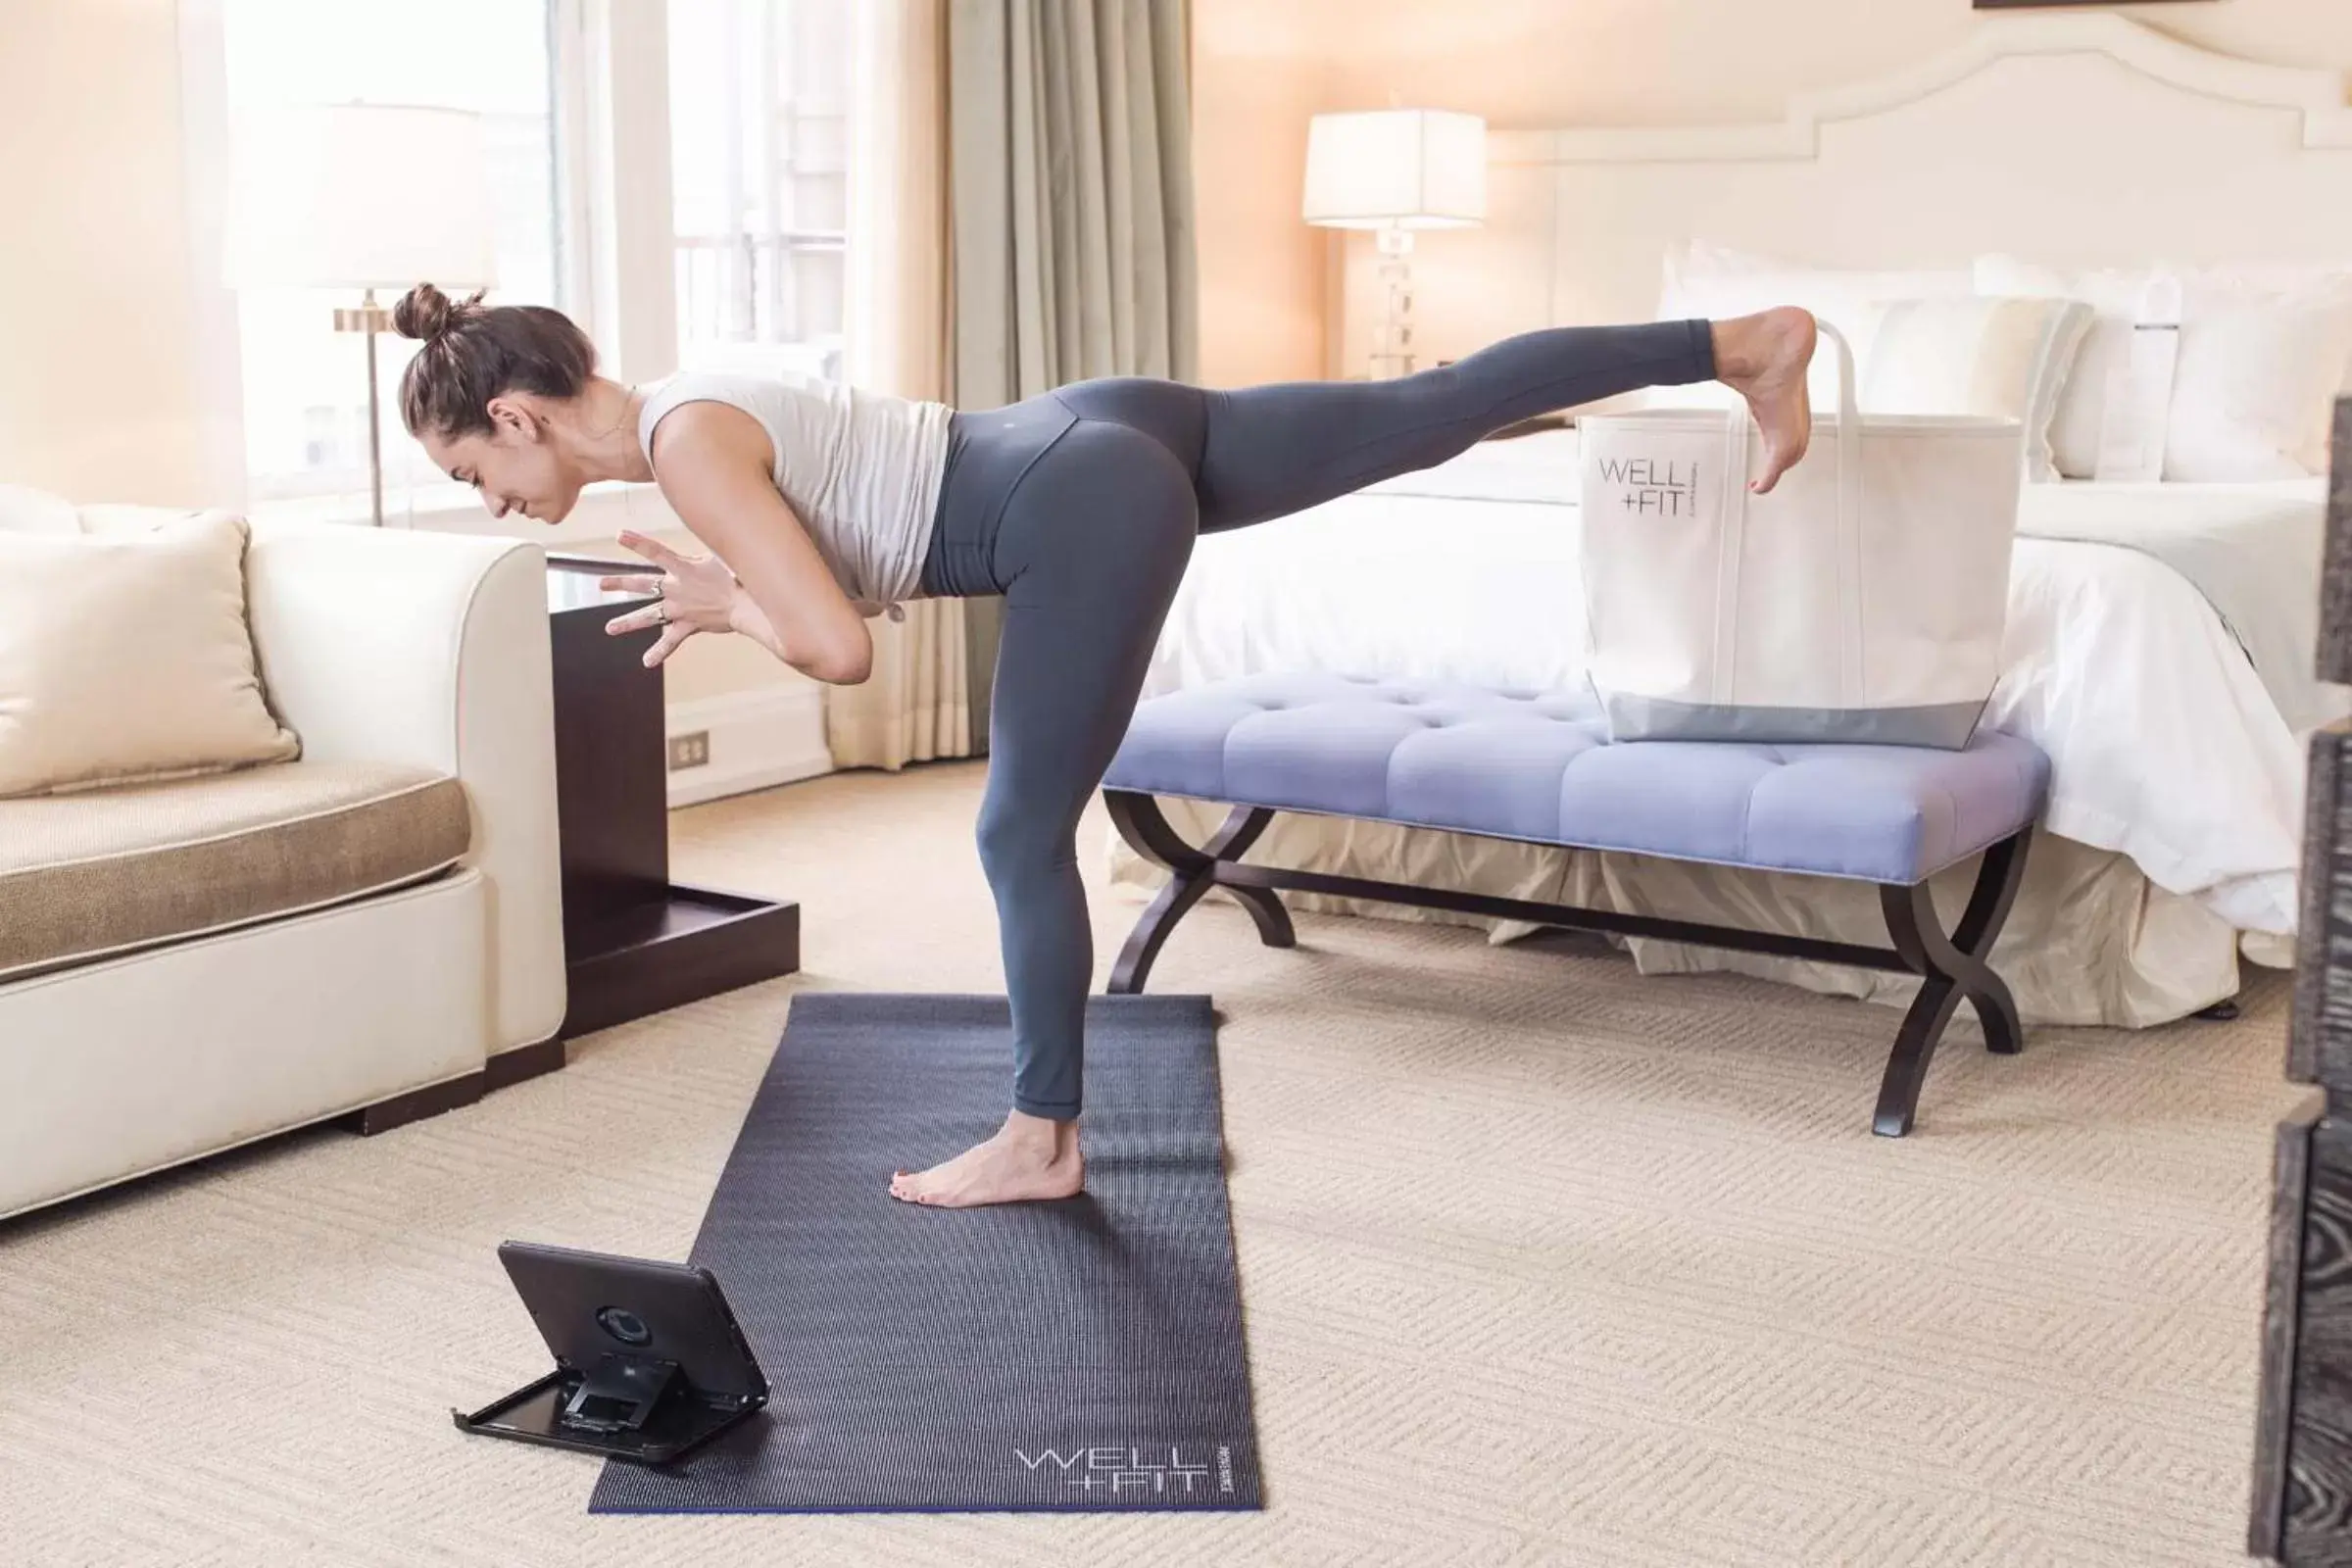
x=2082 y=139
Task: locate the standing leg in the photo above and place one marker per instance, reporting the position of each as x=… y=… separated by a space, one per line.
x=1093 y=545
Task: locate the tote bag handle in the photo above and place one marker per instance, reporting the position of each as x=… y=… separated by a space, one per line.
x=1849 y=521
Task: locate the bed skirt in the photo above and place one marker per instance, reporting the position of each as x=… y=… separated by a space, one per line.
x=2091 y=942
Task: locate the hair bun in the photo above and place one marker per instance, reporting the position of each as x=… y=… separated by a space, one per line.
x=425 y=312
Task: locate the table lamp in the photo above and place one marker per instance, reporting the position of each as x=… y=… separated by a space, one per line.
x=1395 y=170
x=361 y=197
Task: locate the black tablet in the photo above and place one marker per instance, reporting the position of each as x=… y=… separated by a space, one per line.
x=649 y=1361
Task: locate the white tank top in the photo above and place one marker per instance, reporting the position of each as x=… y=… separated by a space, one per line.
x=861 y=470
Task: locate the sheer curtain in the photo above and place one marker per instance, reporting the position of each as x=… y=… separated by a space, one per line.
x=917 y=706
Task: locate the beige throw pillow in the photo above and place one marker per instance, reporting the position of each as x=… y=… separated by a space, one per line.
x=128 y=657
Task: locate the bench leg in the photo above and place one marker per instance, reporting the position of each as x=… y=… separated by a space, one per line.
x=1951 y=967
x=1192 y=873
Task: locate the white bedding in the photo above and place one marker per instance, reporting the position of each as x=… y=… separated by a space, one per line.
x=2166 y=746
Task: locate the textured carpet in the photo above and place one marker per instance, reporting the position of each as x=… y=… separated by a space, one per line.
x=1541 y=1262
x=1079 y=1355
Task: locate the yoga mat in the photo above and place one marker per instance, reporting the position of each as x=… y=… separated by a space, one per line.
x=1085 y=1355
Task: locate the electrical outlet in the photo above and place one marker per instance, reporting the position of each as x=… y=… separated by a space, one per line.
x=690 y=750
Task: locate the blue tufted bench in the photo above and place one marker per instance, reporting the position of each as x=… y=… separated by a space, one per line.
x=1538 y=768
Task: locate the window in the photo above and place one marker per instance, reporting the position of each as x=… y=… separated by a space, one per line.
x=758 y=122
x=672 y=174
x=304 y=384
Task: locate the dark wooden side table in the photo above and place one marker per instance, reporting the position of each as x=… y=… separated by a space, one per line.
x=2302 y=1492
x=634 y=941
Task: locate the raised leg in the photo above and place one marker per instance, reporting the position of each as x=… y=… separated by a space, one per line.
x=1192 y=873
x=1951 y=967
x=1270 y=451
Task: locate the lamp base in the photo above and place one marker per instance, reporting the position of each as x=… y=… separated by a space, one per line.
x=1392 y=338
x=371 y=318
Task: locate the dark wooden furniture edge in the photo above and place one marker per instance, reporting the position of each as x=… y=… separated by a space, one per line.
x=433 y=1099
x=740 y=940
x=508 y=1068
x=2038 y=5
x=2301 y=1496
x=2314 y=892
x=1951 y=966
x=2274 y=1408
x=635 y=943
x=502 y=1071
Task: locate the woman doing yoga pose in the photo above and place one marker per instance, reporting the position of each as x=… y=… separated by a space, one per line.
x=823 y=505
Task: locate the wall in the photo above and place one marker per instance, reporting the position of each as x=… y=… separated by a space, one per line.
x=100 y=379
x=1270 y=290
x=1260 y=73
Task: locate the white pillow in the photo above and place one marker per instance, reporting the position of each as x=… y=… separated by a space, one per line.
x=126 y=656
x=1714 y=282
x=2263 y=354
x=2254 y=394
x=2006 y=358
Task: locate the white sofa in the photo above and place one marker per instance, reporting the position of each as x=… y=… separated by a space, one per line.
x=345 y=935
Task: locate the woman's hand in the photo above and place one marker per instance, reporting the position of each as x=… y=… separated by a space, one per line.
x=716 y=468
x=696 y=593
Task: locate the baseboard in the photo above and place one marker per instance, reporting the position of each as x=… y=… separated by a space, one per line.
x=758 y=739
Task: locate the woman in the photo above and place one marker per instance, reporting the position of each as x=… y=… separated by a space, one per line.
x=823 y=505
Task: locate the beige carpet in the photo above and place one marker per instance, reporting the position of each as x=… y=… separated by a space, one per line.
x=1543 y=1263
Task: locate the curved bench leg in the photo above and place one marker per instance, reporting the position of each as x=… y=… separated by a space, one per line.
x=1914 y=1044
x=1989 y=905
x=1192 y=873
x=1951 y=967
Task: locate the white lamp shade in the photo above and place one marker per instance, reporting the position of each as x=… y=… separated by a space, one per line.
x=1400 y=168
x=358 y=196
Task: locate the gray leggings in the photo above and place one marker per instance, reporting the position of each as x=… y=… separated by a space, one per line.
x=1080 y=506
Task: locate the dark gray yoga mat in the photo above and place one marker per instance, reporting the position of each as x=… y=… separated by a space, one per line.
x=1083 y=1354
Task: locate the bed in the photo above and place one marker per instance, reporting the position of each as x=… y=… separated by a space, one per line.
x=2160 y=633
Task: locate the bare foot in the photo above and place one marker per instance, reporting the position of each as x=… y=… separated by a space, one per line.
x=1030 y=1159
x=1764 y=359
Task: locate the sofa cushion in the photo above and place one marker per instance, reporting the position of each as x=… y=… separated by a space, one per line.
x=98 y=873
x=126 y=657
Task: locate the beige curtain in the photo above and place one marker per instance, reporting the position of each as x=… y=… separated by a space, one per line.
x=917 y=706
x=1070 y=174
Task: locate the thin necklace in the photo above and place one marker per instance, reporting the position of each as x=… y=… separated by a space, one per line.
x=626 y=398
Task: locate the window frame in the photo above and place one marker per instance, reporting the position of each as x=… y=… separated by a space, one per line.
x=610 y=108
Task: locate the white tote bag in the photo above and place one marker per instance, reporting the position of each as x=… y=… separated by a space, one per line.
x=1861 y=601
